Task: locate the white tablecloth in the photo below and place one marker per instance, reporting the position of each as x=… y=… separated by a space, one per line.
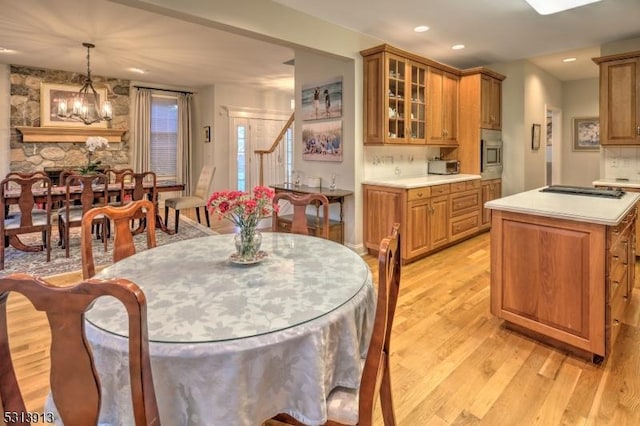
x=248 y=341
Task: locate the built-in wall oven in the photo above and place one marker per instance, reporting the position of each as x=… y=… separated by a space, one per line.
x=490 y=154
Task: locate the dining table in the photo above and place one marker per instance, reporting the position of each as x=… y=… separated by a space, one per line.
x=237 y=343
x=58 y=194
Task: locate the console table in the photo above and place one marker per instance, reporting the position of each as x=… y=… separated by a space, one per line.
x=336 y=227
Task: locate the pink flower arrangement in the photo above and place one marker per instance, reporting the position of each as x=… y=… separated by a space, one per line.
x=244 y=209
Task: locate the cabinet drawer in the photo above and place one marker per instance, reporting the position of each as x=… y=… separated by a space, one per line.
x=465 y=186
x=464 y=225
x=419 y=193
x=440 y=190
x=464 y=202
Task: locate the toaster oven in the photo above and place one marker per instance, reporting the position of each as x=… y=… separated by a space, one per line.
x=444 y=167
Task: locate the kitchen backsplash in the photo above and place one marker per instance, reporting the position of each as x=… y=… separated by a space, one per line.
x=388 y=162
x=621 y=162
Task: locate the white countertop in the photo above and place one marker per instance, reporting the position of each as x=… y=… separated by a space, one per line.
x=613 y=182
x=420 y=181
x=581 y=208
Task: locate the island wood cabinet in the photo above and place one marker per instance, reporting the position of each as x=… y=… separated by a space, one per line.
x=490 y=189
x=443 y=107
x=562 y=281
x=480 y=108
x=430 y=217
x=620 y=99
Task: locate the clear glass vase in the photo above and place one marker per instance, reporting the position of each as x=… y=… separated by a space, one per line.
x=248 y=243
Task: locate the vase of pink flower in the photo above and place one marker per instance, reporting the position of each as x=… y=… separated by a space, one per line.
x=244 y=210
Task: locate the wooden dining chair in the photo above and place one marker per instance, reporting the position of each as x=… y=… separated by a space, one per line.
x=122 y=218
x=31 y=216
x=356 y=407
x=92 y=187
x=120 y=177
x=300 y=219
x=75 y=384
x=197 y=200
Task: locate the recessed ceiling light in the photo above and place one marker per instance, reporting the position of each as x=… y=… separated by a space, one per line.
x=5 y=50
x=421 y=28
x=547 y=7
x=137 y=70
x=458 y=46
x=569 y=59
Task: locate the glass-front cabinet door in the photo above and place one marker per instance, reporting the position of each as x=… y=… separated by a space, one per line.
x=418 y=108
x=396 y=99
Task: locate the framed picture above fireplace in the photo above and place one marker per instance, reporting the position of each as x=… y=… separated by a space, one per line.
x=50 y=96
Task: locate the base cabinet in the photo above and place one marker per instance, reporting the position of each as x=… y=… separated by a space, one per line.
x=563 y=281
x=491 y=190
x=431 y=217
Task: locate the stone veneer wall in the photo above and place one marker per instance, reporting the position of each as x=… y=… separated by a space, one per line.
x=25 y=111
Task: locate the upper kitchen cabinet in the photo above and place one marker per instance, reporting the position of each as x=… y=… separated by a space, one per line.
x=480 y=108
x=443 y=106
x=395 y=97
x=491 y=102
x=619 y=99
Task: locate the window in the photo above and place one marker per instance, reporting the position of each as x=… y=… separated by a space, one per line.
x=241 y=158
x=164 y=136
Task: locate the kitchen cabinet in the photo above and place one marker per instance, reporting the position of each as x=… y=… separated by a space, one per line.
x=560 y=275
x=490 y=102
x=620 y=99
x=395 y=99
x=443 y=106
x=480 y=108
x=490 y=189
x=431 y=217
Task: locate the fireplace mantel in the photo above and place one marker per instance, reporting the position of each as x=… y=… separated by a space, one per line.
x=68 y=134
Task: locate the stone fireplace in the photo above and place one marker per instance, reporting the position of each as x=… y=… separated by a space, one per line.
x=35 y=148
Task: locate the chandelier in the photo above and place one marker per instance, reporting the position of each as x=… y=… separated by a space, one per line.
x=86 y=105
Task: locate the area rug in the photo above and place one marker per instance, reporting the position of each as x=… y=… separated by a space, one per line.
x=36 y=263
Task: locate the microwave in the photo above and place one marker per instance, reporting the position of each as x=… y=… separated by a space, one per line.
x=444 y=167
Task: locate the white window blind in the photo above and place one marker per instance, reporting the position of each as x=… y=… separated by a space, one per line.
x=164 y=136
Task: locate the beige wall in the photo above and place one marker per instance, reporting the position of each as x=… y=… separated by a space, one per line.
x=581 y=98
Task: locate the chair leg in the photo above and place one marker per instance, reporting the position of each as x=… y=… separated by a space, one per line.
x=206 y=214
x=47 y=242
x=166 y=214
x=66 y=240
x=60 y=235
x=177 y=220
x=386 y=400
x=198 y=214
x=6 y=239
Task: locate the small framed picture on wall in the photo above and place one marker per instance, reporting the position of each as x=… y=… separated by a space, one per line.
x=535 y=136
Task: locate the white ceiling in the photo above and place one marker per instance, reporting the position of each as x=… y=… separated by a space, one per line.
x=49 y=34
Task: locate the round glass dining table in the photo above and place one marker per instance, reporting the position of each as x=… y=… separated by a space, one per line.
x=234 y=344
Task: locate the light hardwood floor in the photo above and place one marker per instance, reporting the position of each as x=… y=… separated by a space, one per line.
x=452 y=362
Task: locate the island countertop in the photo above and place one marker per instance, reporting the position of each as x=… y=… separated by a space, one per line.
x=604 y=211
x=420 y=181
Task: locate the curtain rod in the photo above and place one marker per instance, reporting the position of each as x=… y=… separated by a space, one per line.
x=164 y=90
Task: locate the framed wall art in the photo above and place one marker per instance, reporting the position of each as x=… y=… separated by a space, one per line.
x=586 y=134
x=320 y=101
x=322 y=141
x=50 y=96
x=535 y=136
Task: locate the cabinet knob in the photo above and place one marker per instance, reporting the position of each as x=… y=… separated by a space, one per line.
x=419 y=194
x=638 y=131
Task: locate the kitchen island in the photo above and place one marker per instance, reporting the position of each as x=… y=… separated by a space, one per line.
x=562 y=267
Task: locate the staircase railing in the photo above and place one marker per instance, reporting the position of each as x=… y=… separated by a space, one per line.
x=274 y=145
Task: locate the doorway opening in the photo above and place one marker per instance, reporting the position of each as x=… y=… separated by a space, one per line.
x=553 y=147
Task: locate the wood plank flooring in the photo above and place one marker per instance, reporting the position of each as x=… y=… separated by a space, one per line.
x=452 y=362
